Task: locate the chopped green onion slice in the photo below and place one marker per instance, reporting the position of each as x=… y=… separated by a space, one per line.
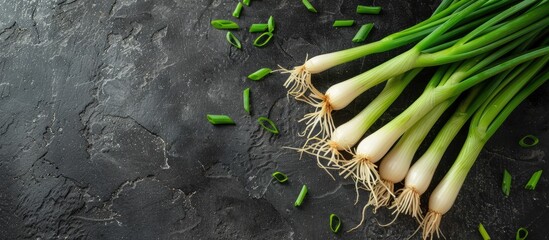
x=506 y=184
x=219 y=119
x=224 y=24
x=231 y=38
x=259 y=27
x=271 y=128
x=259 y=74
x=483 y=232
x=280 y=177
x=367 y=9
x=237 y=10
x=309 y=6
x=263 y=39
x=246 y=99
x=271 y=24
x=335 y=223
x=363 y=32
x=301 y=196
x=529 y=141
x=247 y=2
x=343 y=23
x=533 y=182
x=522 y=233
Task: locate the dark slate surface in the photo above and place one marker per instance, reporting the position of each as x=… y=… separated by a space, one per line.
x=103 y=132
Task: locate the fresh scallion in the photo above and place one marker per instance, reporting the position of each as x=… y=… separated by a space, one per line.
x=309 y=6
x=483 y=232
x=335 y=223
x=231 y=38
x=260 y=74
x=237 y=10
x=247 y=2
x=301 y=196
x=506 y=183
x=343 y=23
x=522 y=233
x=529 y=141
x=533 y=182
x=361 y=9
x=259 y=27
x=263 y=39
x=363 y=33
x=219 y=119
x=271 y=24
x=224 y=24
x=246 y=99
x=280 y=177
x=272 y=126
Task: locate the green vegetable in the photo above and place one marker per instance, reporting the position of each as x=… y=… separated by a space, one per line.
x=309 y=6
x=271 y=24
x=224 y=24
x=483 y=232
x=246 y=99
x=522 y=233
x=367 y=9
x=271 y=125
x=258 y=27
x=237 y=10
x=231 y=38
x=301 y=196
x=335 y=223
x=343 y=23
x=529 y=141
x=219 y=119
x=263 y=39
x=260 y=74
x=533 y=182
x=280 y=177
x=506 y=184
x=247 y=2
x=363 y=32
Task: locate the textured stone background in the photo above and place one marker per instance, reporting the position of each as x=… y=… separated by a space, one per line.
x=103 y=132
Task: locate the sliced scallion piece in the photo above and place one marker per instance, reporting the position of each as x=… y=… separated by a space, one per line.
x=247 y=2
x=280 y=177
x=219 y=119
x=224 y=24
x=263 y=39
x=271 y=128
x=301 y=196
x=271 y=24
x=237 y=10
x=506 y=184
x=335 y=223
x=343 y=23
x=231 y=38
x=361 y=9
x=533 y=182
x=483 y=232
x=246 y=99
x=529 y=141
x=309 y=6
x=522 y=233
x=259 y=27
x=363 y=32
x=259 y=74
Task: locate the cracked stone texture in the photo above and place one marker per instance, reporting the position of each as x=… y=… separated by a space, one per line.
x=103 y=132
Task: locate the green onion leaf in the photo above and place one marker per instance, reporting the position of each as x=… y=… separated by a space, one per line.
x=522 y=233
x=259 y=74
x=533 y=182
x=506 y=184
x=280 y=177
x=259 y=27
x=343 y=23
x=335 y=223
x=247 y=2
x=483 y=232
x=529 y=141
x=224 y=24
x=271 y=128
x=363 y=32
x=271 y=24
x=237 y=10
x=309 y=6
x=219 y=119
x=263 y=39
x=246 y=99
x=301 y=196
x=231 y=38
x=361 y=9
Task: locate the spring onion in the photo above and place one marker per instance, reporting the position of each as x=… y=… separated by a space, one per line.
x=219 y=119
x=233 y=40
x=309 y=6
x=246 y=100
x=343 y=23
x=271 y=24
x=335 y=223
x=246 y=2
x=271 y=125
x=224 y=24
x=533 y=182
x=280 y=177
x=361 y=9
x=506 y=183
x=259 y=74
x=522 y=233
x=363 y=33
x=237 y=10
x=263 y=39
x=529 y=141
x=301 y=196
x=258 y=27
x=483 y=232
